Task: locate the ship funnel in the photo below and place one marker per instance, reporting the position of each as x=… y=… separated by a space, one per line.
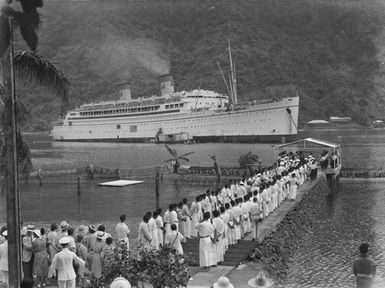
x=166 y=84
x=124 y=91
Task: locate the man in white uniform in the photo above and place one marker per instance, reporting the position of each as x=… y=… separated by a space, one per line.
x=63 y=264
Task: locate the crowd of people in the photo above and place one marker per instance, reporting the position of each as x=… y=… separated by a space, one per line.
x=220 y=219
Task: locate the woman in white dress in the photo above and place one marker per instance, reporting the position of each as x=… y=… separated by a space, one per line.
x=153 y=230
x=293 y=187
x=206 y=234
x=174 y=238
x=159 y=226
x=219 y=226
x=186 y=213
x=194 y=212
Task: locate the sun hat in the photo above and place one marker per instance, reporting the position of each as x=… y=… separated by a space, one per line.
x=260 y=281
x=120 y=282
x=30 y=227
x=64 y=240
x=63 y=225
x=92 y=228
x=100 y=235
x=82 y=228
x=223 y=282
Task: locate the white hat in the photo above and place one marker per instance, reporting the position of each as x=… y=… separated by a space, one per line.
x=65 y=240
x=64 y=225
x=5 y=233
x=120 y=282
x=30 y=227
x=260 y=281
x=223 y=282
x=100 y=235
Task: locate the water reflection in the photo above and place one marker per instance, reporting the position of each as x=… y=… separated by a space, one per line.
x=355 y=215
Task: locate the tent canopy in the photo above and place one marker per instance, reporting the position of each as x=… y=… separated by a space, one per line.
x=309 y=143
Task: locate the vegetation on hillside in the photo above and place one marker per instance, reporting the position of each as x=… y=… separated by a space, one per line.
x=331 y=52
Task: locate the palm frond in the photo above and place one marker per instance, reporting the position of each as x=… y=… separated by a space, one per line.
x=23 y=155
x=171 y=151
x=33 y=68
x=186 y=154
x=183 y=158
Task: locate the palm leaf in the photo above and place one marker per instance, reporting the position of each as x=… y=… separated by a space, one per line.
x=32 y=68
x=171 y=151
x=186 y=154
x=23 y=156
x=184 y=158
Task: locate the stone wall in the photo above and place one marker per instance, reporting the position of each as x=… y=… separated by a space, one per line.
x=275 y=252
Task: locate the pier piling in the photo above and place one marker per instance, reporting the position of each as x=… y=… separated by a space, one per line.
x=78 y=187
x=157 y=188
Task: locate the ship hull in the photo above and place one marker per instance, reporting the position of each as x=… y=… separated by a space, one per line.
x=254 y=123
x=205 y=139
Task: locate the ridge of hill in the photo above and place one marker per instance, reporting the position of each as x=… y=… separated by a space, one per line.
x=331 y=52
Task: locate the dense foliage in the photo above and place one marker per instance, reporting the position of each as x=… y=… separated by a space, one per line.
x=330 y=52
x=161 y=268
x=248 y=159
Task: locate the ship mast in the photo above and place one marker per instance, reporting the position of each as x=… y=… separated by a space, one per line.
x=233 y=84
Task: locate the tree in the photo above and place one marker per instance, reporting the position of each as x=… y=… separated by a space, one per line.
x=175 y=158
x=15 y=155
x=248 y=160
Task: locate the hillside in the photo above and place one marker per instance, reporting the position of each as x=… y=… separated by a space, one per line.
x=332 y=52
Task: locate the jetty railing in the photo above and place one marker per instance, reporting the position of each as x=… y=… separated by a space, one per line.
x=362 y=173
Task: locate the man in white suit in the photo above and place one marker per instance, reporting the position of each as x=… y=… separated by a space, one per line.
x=63 y=263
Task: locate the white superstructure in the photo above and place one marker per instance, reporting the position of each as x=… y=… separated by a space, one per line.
x=199 y=114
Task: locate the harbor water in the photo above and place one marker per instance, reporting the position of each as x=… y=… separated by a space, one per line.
x=355 y=213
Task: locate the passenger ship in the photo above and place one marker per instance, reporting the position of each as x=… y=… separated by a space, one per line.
x=191 y=116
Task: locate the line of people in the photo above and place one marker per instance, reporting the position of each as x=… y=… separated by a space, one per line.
x=219 y=218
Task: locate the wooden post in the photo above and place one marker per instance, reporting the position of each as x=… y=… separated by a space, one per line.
x=11 y=173
x=157 y=188
x=78 y=186
x=40 y=177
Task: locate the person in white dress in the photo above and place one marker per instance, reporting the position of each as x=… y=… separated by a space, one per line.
x=187 y=215
x=167 y=219
x=255 y=213
x=122 y=231
x=219 y=226
x=159 y=226
x=206 y=235
x=182 y=221
x=144 y=236
x=231 y=224
x=237 y=219
x=153 y=231
x=194 y=212
x=293 y=187
x=226 y=219
x=174 y=239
